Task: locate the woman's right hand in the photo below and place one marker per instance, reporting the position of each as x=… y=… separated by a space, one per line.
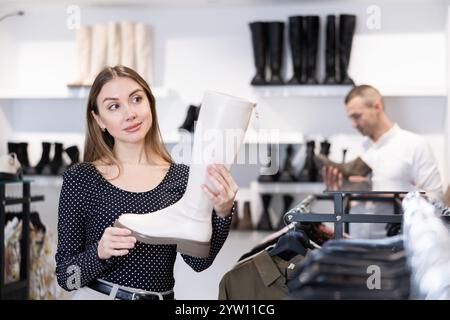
x=115 y=242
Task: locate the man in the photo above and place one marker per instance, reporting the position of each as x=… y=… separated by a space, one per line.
x=390 y=153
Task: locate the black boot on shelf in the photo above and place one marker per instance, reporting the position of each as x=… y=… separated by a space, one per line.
x=74 y=155
x=265 y=223
x=312 y=43
x=287 y=201
x=191 y=117
x=347 y=24
x=325 y=148
x=269 y=176
x=330 y=51
x=43 y=166
x=287 y=173
x=259 y=44
x=276 y=40
x=324 y=151
x=297 y=45
x=246 y=222
x=23 y=158
x=56 y=165
x=309 y=172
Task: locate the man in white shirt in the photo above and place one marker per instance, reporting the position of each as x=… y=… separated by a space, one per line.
x=391 y=153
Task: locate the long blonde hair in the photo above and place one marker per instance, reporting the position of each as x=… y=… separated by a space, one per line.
x=99 y=144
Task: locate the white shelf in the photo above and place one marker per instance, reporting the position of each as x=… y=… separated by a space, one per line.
x=285 y=91
x=250 y=138
x=63 y=93
x=340 y=91
x=288 y=187
x=45 y=181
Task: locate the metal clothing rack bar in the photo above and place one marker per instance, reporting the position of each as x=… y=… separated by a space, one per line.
x=341 y=198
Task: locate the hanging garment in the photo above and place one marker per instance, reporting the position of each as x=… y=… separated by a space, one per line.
x=259 y=278
x=43 y=284
x=12 y=252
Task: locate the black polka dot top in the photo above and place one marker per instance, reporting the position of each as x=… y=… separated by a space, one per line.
x=89 y=204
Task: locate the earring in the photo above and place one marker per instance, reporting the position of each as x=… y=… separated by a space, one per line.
x=103 y=129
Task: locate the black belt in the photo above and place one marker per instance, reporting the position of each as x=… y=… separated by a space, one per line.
x=123 y=294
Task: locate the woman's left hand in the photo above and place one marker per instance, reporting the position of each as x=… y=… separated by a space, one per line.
x=226 y=189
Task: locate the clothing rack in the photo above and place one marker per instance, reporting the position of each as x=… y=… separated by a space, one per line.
x=18 y=289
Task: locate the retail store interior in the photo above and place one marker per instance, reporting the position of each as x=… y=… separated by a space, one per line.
x=296 y=61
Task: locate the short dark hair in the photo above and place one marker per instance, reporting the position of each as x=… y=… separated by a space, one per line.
x=365 y=91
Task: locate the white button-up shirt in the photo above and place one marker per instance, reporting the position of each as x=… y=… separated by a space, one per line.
x=404 y=157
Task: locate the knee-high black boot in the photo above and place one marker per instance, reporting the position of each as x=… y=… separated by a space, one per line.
x=330 y=51
x=276 y=37
x=347 y=25
x=297 y=44
x=312 y=40
x=259 y=43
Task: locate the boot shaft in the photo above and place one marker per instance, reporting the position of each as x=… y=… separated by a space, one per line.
x=297 y=42
x=312 y=40
x=330 y=51
x=347 y=24
x=276 y=40
x=259 y=44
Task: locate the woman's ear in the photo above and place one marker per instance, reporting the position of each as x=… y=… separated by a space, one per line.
x=98 y=120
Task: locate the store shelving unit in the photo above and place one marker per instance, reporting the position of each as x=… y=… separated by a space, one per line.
x=20 y=288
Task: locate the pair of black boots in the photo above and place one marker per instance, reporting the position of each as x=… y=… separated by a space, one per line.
x=267 y=42
x=310 y=171
x=304 y=39
x=54 y=166
x=191 y=118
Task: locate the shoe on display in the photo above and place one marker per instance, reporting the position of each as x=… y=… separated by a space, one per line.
x=246 y=222
x=330 y=51
x=74 y=155
x=57 y=164
x=187 y=223
x=275 y=44
x=259 y=44
x=347 y=24
x=297 y=45
x=43 y=166
x=10 y=168
x=191 y=118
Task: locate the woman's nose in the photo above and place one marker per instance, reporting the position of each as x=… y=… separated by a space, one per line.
x=131 y=114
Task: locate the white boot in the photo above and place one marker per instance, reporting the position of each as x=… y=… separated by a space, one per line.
x=83 y=44
x=113 y=52
x=143 y=51
x=127 y=39
x=187 y=223
x=98 y=52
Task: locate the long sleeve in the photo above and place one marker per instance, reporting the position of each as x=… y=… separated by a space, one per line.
x=77 y=262
x=220 y=230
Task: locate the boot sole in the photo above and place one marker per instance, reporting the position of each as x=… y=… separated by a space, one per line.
x=184 y=246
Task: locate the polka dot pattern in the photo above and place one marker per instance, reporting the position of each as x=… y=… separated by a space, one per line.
x=89 y=204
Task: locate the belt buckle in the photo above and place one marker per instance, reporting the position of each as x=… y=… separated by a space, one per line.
x=136 y=295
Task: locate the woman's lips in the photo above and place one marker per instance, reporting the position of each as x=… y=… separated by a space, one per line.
x=134 y=128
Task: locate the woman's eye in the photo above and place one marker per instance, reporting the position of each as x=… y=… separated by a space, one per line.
x=113 y=107
x=137 y=99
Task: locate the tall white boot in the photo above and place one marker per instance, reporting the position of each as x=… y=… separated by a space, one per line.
x=83 y=45
x=98 y=52
x=127 y=39
x=218 y=136
x=113 y=52
x=143 y=51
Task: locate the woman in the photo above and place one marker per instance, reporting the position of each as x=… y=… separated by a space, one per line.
x=126 y=169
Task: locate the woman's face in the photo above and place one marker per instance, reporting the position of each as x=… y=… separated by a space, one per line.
x=124 y=110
